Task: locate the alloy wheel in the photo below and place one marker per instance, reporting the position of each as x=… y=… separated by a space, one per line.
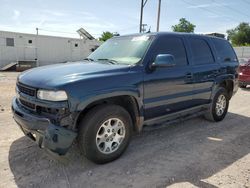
x=110 y=135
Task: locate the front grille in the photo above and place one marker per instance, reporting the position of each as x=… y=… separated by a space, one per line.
x=49 y=110
x=28 y=104
x=26 y=90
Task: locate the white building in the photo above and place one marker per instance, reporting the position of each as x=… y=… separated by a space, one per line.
x=44 y=50
x=242 y=52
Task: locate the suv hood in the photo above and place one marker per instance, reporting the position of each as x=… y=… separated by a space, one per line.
x=49 y=77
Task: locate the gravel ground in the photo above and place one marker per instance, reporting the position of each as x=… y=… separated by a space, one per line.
x=195 y=153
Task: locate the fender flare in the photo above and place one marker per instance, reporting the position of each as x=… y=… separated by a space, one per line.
x=114 y=93
x=218 y=81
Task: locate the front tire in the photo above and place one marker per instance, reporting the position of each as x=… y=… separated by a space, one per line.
x=219 y=106
x=105 y=133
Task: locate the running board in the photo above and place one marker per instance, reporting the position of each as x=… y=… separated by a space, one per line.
x=177 y=117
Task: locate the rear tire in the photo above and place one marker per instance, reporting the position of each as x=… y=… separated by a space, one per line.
x=105 y=133
x=242 y=85
x=219 y=106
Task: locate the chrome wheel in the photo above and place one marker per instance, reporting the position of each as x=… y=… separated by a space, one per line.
x=110 y=135
x=220 y=105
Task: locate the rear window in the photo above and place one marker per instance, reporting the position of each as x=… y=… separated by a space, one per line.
x=224 y=50
x=201 y=51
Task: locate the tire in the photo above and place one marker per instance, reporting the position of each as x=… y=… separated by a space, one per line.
x=242 y=85
x=96 y=143
x=218 y=112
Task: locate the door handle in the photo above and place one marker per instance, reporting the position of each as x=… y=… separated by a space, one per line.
x=189 y=75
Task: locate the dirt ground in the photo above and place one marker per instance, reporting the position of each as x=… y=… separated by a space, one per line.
x=196 y=153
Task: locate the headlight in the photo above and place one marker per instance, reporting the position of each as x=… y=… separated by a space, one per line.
x=52 y=95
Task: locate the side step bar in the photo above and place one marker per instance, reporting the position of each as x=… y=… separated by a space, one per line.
x=177 y=117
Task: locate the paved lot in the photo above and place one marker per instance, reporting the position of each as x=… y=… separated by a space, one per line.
x=196 y=153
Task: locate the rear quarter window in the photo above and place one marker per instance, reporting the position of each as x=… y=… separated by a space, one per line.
x=201 y=51
x=224 y=50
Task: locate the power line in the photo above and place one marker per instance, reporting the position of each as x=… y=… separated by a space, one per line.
x=64 y=32
x=210 y=11
x=54 y=31
x=239 y=12
x=233 y=9
x=145 y=3
x=192 y=4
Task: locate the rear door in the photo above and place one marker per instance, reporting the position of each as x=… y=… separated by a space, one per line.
x=204 y=66
x=227 y=58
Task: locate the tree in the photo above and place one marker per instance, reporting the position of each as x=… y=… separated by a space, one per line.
x=107 y=35
x=184 y=26
x=240 y=36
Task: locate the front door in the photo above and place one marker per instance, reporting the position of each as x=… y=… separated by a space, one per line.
x=168 y=89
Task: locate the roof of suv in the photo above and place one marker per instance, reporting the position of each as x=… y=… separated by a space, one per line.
x=173 y=34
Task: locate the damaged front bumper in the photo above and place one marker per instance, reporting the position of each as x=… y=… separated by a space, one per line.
x=40 y=129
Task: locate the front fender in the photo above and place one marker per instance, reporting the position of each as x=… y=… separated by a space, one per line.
x=86 y=100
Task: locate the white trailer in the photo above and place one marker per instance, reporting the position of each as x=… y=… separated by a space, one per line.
x=45 y=50
x=242 y=52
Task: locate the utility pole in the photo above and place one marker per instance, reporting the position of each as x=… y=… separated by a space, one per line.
x=141 y=16
x=159 y=15
x=143 y=3
x=36 y=46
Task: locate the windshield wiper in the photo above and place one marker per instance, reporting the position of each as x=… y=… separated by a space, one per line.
x=88 y=59
x=112 y=61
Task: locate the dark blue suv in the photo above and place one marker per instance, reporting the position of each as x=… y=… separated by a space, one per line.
x=129 y=82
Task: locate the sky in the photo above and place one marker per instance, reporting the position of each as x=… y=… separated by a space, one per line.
x=65 y=17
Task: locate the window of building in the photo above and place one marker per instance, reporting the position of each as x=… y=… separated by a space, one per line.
x=9 y=41
x=173 y=46
x=30 y=41
x=224 y=50
x=201 y=51
x=76 y=45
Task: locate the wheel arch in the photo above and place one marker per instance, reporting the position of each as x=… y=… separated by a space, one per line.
x=229 y=86
x=227 y=83
x=130 y=102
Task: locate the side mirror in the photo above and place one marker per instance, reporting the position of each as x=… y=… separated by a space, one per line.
x=163 y=60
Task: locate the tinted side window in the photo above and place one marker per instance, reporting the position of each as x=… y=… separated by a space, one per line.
x=201 y=51
x=224 y=50
x=173 y=46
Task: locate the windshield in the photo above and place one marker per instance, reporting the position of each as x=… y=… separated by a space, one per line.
x=122 y=50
